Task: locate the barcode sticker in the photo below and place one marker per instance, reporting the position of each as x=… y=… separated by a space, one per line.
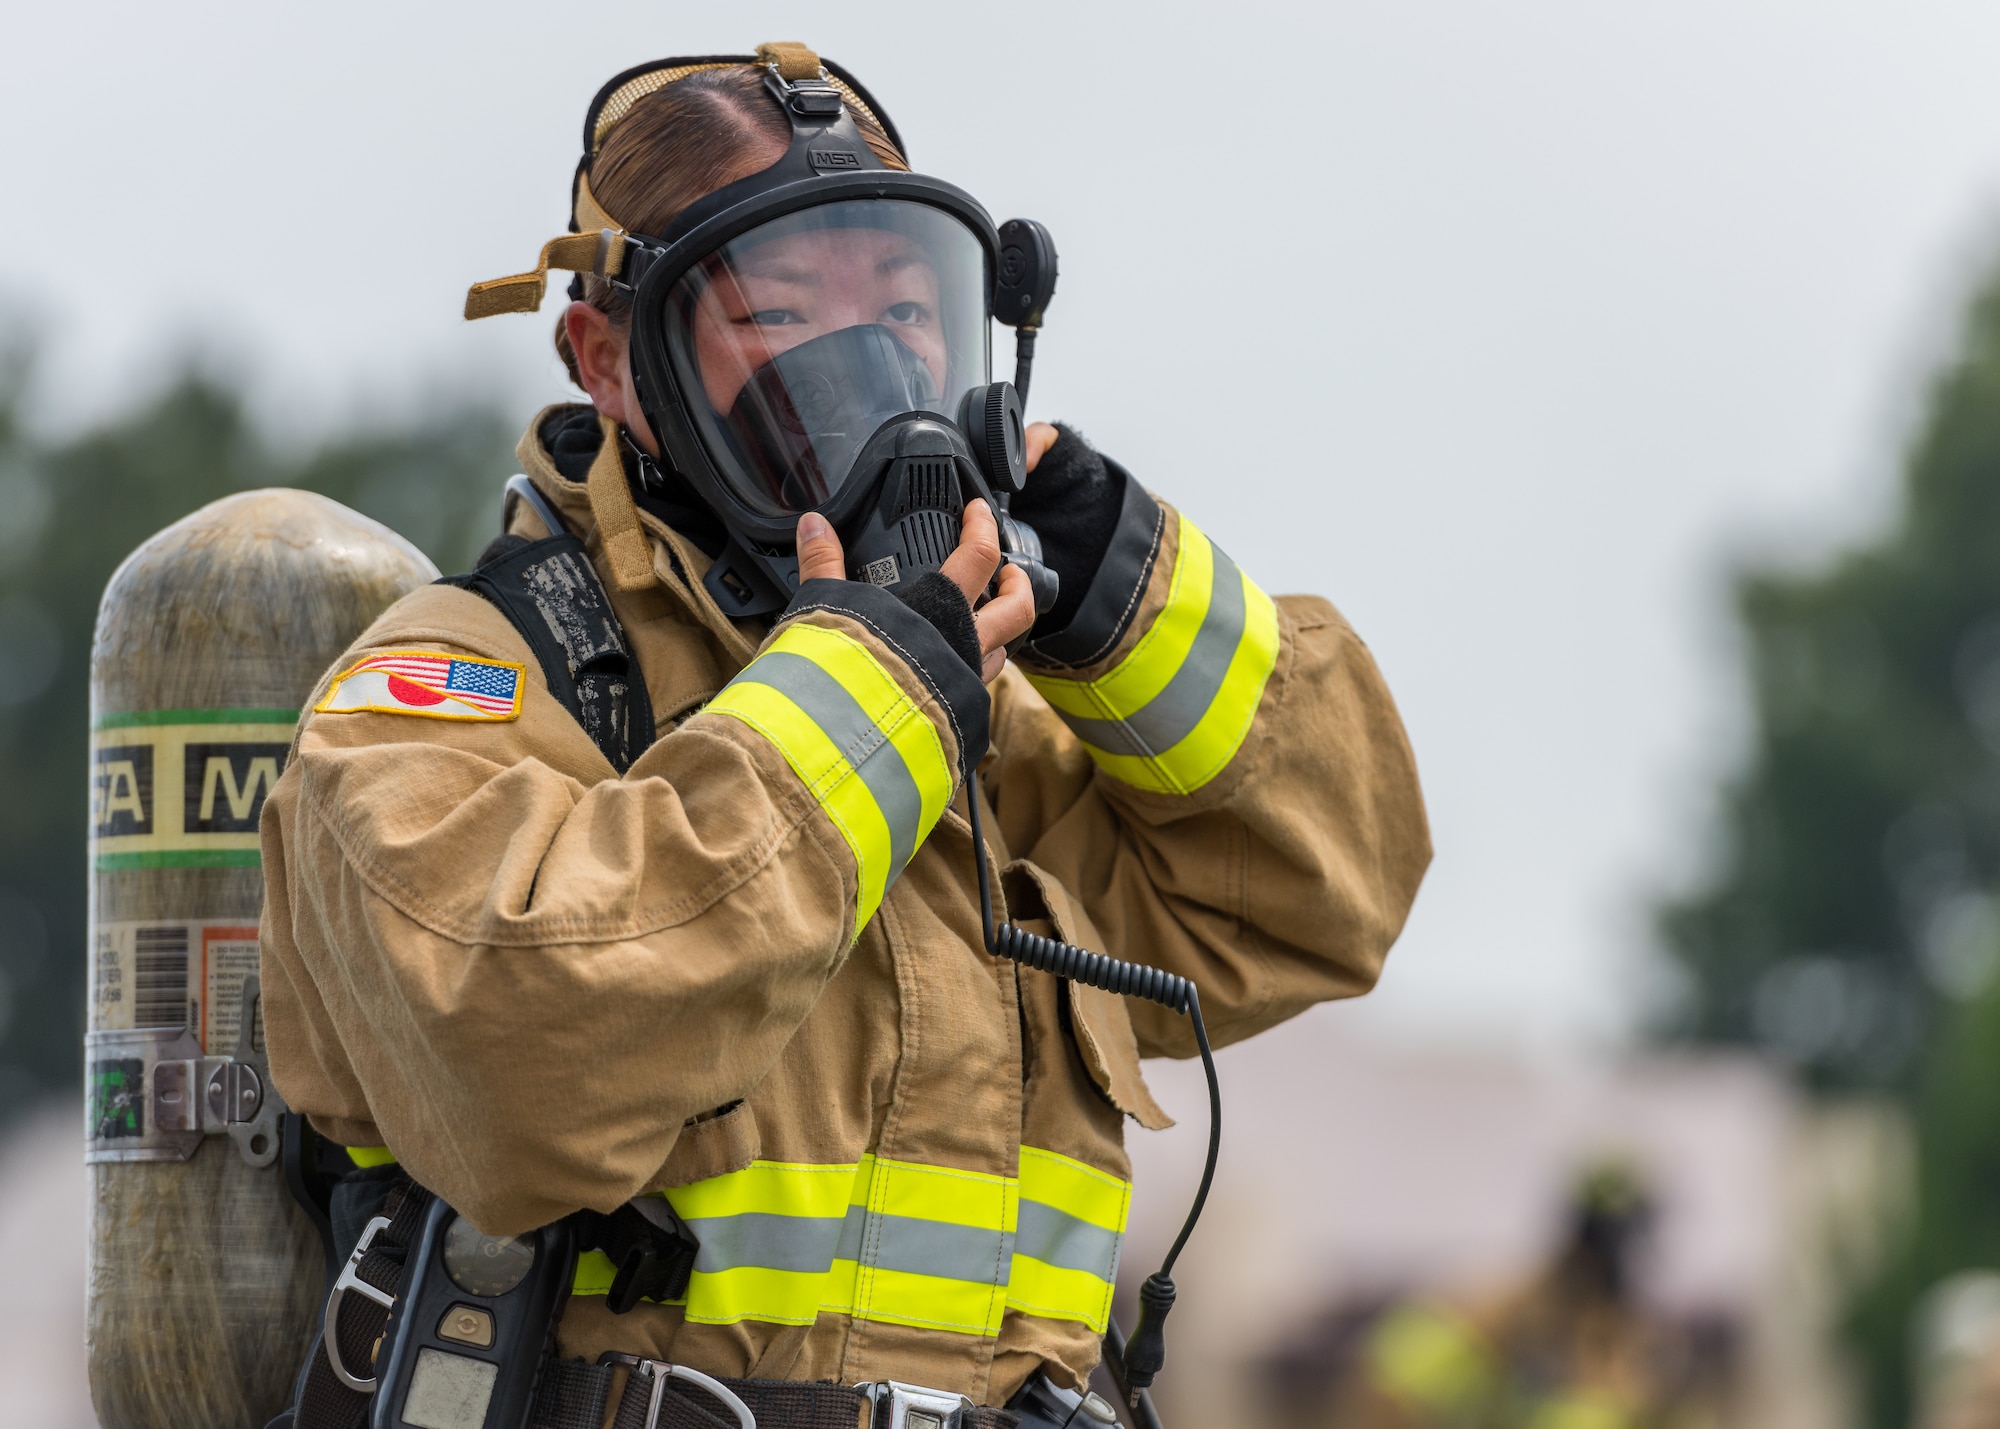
x=181 y=973
x=160 y=976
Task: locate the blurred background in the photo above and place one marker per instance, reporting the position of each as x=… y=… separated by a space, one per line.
x=1631 y=379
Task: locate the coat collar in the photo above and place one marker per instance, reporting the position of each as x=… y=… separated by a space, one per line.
x=634 y=551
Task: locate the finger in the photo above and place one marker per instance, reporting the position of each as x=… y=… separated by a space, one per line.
x=820 y=556
x=972 y=565
x=1041 y=436
x=1004 y=618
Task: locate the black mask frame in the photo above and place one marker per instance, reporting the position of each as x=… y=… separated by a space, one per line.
x=827 y=161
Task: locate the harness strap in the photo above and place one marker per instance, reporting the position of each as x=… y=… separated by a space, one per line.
x=574 y=1394
x=550 y=593
x=356 y=1324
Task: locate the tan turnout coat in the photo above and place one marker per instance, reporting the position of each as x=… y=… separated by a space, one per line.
x=544 y=986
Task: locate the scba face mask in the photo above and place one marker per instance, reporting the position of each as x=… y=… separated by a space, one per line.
x=815 y=338
x=792 y=345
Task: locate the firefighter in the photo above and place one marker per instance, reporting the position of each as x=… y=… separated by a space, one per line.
x=674 y=904
x=1573 y=1346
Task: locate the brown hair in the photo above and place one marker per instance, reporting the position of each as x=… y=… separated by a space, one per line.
x=682 y=142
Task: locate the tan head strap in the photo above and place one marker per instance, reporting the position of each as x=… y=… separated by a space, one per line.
x=792 y=60
x=599 y=246
x=601 y=252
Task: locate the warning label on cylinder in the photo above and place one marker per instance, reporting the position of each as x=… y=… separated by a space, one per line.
x=174 y=974
x=183 y=788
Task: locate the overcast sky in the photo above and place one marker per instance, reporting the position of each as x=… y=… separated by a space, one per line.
x=1506 y=327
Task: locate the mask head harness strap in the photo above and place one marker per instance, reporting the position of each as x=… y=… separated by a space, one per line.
x=828 y=161
x=598 y=243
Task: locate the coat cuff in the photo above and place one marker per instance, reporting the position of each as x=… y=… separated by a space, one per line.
x=875 y=713
x=918 y=644
x=1112 y=600
x=1172 y=702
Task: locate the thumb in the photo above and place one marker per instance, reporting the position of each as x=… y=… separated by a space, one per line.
x=820 y=556
x=1041 y=436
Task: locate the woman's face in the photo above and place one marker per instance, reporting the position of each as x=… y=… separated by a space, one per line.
x=799 y=286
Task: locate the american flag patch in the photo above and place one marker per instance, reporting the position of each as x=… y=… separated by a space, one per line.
x=427 y=683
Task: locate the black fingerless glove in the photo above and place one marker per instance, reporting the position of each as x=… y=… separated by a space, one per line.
x=1072 y=500
x=936 y=597
x=930 y=629
x=1100 y=531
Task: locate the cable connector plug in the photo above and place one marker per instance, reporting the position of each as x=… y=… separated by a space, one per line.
x=1146 y=1351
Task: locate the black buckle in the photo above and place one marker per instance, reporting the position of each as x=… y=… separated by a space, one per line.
x=639 y=257
x=657 y=1260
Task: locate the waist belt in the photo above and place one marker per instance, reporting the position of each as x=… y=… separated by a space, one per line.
x=575 y=1395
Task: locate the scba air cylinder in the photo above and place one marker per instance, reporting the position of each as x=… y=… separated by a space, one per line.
x=204 y=1277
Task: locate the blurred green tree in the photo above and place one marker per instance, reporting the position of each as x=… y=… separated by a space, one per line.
x=1849 y=926
x=70 y=511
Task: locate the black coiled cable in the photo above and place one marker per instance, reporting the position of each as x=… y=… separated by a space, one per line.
x=1011 y=940
x=1135 y=1363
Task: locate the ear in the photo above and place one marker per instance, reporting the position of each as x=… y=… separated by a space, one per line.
x=604 y=361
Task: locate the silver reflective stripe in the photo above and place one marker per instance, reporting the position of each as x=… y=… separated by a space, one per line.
x=1056 y=1238
x=936 y=1248
x=879 y=763
x=813 y=1243
x=805 y=1243
x=850 y=1234
x=1171 y=715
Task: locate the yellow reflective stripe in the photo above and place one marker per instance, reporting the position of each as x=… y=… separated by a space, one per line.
x=755 y=1292
x=1075 y=1189
x=368 y=1156
x=838 y=1293
x=898 y=1242
x=886 y=703
x=594 y=1273
x=1172 y=714
x=971 y=1216
x=867 y=753
x=827 y=776
x=1074 y=1192
x=1206 y=751
x=939 y=1193
x=928 y=1302
x=744 y=1292
x=1131 y=684
x=777 y=1188
x=864 y=1180
x=1057 y=1293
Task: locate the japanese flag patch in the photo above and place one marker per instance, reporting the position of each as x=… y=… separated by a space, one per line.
x=427 y=683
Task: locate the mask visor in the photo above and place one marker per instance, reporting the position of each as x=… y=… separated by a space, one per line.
x=797 y=341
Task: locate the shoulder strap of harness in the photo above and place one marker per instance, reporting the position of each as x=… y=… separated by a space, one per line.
x=551 y=594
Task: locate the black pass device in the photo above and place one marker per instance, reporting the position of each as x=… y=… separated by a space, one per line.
x=470 y=1332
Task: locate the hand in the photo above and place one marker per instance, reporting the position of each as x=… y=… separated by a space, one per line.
x=1073 y=500
x=1004 y=618
x=1041 y=436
